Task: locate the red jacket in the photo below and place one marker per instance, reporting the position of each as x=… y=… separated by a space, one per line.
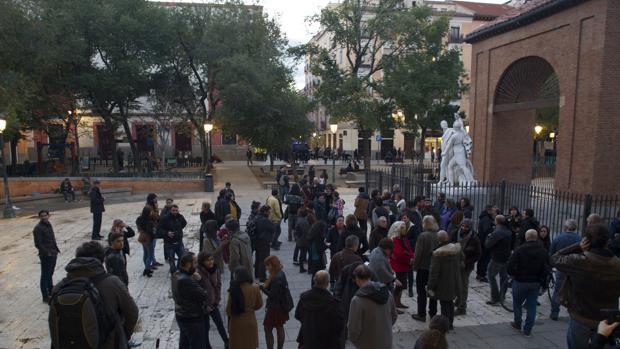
x=401 y=256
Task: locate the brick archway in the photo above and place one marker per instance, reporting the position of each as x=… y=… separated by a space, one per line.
x=528 y=84
x=579 y=41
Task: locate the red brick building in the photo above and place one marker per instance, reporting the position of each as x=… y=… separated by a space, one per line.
x=572 y=46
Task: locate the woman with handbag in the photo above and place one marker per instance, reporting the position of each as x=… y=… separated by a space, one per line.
x=146 y=236
x=279 y=301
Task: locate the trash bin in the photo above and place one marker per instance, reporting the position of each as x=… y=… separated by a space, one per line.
x=208 y=183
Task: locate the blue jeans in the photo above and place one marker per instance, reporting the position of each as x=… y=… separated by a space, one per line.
x=149 y=253
x=578 y=335
x=555 y=305
x=48 y=264
x=494 y=269
x=192 y=334
x=170 y=250
x=525 y=292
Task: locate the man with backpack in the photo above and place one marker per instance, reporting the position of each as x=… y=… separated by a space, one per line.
x=109 y=314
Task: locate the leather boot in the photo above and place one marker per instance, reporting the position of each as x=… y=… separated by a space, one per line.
x=397 y=302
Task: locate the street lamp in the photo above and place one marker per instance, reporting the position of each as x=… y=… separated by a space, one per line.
x=538 y=129
x=208 y=128
x=9 y=212
x=313 y=134
x=334 y=129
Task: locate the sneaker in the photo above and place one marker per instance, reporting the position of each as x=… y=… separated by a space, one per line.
x=527 y=334
x=515 y=326
x=484 y=279
x=554 y=317
x=156 y=263
x=399 y=312
x=492 y=303
x=417 y=317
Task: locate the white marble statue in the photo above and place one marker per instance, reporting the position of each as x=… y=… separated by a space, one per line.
x=456 y=146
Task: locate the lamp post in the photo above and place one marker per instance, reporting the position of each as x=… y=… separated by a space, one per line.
x=208 y=128
x=9 y=212
x=334 y=129
x=538 y=129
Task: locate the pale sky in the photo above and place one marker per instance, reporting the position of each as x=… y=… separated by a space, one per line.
x=292 y=14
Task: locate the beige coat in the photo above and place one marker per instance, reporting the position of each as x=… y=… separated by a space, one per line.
x=243 y=329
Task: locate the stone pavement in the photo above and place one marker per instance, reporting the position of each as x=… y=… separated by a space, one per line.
x=23 y=318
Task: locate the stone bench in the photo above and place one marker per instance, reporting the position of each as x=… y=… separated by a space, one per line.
x=116 y=192
x=269 y=184
x=352 y=184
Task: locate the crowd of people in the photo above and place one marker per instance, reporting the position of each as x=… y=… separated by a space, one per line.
x=362 y=266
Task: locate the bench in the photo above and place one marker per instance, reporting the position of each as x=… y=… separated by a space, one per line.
x=269 y=184
x=352 y=184
x=115 y=192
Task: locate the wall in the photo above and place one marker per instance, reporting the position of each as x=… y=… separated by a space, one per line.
x=580 y=44
x=27 y=186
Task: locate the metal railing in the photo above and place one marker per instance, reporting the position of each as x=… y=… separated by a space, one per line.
x=552 y=207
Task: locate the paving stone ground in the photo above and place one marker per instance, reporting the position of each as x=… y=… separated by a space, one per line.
x=23 y=317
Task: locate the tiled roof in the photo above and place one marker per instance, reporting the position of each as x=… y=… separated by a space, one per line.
x=484 y=9
x=523 y=15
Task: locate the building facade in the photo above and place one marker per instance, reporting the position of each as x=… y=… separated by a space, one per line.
x=464 y=17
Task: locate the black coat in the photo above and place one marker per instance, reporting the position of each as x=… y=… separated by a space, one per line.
x=222 y=208
x=264 y=229
x=360 y=235
x=486 y=225
x=529 y=263
x=96 y=200
x=499 y=244
x=206 y=216
x=190 y=300
x=116 y=264
x=172 y=223
x=45 y=240
x=321 y=320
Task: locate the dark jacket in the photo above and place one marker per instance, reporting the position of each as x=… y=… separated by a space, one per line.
x=526 y=224
x=426 y=244
x=172 y=223
x=302 y=230
x=592 y=282
x=294 y=202
x=486 y=225
x=264 y=229
x=222 y=208
x=96 y=200
x=333 y=239
x=147 y=226
x=116 y=264
x=320 y=210
x=190 y=300
x=415 y=217
x=468 y=211
x=499 y=244
x=444 y=280
x=376 y=235
x=45 y=240
x=317 y=247
x=355 y=230
x=341 y=260
x=211 y=282
x=471 y=247
x=321 y=320
x=116 y=299
x=529 y=263
x=276 y=292
x=345 y=288
x=206 y=216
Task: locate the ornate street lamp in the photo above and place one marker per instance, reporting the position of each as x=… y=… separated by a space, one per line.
x=538 y=129
x=9 y=212
x=334 y=129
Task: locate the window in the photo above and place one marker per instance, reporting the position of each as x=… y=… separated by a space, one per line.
x=454 y=37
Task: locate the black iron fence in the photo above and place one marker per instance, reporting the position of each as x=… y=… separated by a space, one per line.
x=552 y=207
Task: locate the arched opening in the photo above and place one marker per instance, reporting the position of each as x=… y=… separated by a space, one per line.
x=525 y=119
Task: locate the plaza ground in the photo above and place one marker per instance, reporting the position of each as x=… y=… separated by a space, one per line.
x=23 y=319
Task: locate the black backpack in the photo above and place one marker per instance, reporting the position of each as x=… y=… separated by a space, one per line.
x=78 y=317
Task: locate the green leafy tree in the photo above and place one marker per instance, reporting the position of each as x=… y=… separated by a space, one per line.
x=261 y=106
x=423 y=80
x=366 y=33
